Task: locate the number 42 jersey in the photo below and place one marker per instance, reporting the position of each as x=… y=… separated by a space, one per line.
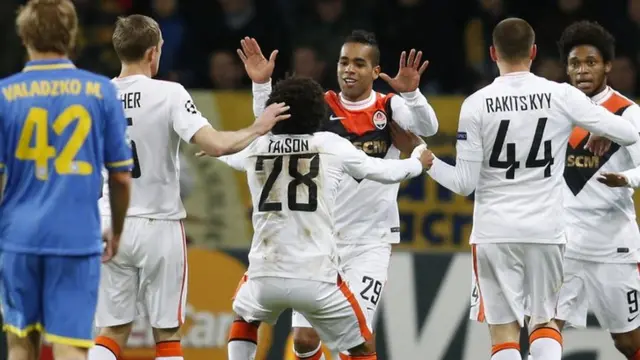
x=293 y=180
x=518 y=128
x=159 y=114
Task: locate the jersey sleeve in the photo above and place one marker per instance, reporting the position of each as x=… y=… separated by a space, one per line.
x=117 y=148
x=469 y=136
x=413 y=112
x=238 y=160
x=361 y=166
x=633 y=115
x=595 y=118
x=186 y=118
x=261 y=94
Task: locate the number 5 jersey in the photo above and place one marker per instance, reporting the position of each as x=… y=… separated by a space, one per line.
x=159 y=114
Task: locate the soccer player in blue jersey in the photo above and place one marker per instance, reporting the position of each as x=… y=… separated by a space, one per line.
x=59 y=126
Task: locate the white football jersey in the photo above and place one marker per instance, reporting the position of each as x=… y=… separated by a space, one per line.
x=518 y=128
x=367 y=211
x=293 y=180
x=159 y=114
x=601 y=221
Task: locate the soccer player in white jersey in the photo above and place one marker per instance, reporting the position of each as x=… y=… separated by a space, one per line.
x=512 y=138
x=603 y=241
x=151 y=266
x=294 y=174
x=367 y=218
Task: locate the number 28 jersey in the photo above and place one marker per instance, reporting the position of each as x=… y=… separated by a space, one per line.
x=518 y=127
x=159 y=114
x=293 y=180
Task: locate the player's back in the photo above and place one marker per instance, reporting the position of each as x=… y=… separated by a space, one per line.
x=293 y=181
x=148 y=106
x=54 y=120
x=524 y=131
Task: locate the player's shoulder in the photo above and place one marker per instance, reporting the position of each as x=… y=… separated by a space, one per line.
x=328 y=141
x=619 y=103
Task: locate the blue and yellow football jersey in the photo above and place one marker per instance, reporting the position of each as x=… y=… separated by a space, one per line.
x=58 y=127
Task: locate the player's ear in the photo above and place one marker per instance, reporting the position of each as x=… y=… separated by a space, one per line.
x=607 y=67
x=533 y=52
x=376 y=72
x=493 y=53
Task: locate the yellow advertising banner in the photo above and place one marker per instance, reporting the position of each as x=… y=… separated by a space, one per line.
x=432 y=218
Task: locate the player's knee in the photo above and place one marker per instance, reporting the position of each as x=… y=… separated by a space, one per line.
x=172 y=334
x=68 y=352
x=627 y=343
x=305 y=340
x=118 y=333
x=24 y=348
x=363 y=349
x=504 y=333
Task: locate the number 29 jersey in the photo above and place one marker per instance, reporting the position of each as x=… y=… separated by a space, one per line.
x=293 y=180
x=159 y=114
x=518 y=127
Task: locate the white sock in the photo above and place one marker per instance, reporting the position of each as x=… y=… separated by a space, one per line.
x=241 y=350
x=99 y=352
x=311 y=355
x=507 y=354
x=529 y=357
x=545 y=348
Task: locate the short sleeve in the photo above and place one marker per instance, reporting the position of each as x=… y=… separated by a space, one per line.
x=469 y=137
x=117 y=148
x=187 y=120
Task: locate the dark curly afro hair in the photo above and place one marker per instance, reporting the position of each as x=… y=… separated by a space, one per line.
x=587 y=33
x=305 y=98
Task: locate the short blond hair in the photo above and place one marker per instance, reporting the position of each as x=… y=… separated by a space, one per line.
x=48 y=25
x=134 y=35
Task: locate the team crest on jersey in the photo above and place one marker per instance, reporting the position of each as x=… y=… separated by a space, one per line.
x=380 y=119
x=191 y=107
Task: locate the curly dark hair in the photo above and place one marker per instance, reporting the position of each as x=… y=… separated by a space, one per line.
x=587 y=33
x=366 y=38
x=305 y=98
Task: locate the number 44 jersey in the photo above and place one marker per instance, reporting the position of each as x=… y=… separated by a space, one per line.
x=159 y=114
x=518 y=128
x=293 y=180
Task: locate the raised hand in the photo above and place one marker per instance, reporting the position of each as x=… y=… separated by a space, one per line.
x=613 y=179
x=408 y=77
x=271 y=115
x=257 y=66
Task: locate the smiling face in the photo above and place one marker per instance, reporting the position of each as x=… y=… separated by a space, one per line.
x=357 y=70
x=587 y=69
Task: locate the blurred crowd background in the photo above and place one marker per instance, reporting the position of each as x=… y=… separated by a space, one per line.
x=201 y=37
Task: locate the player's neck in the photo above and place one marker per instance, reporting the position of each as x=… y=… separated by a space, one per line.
x=40 y=56
x=365 y=96
x=135 y=69
x=600 y=90
x=508 y=68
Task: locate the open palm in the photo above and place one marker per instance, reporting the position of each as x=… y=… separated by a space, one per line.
x=258 y=67
x=409 y=73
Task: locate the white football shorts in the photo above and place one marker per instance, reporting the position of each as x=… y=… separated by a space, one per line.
x=365 y=268
x=148 y=275
x=331 y=308
x=507 y=277
x=609 y=290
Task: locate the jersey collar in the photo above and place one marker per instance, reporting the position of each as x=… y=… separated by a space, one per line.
x=603 y=95
x=52 y=64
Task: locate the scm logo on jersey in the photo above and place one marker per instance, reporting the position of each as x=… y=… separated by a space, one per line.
x=380 y=119
x=209 y=315
x=583 y=161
